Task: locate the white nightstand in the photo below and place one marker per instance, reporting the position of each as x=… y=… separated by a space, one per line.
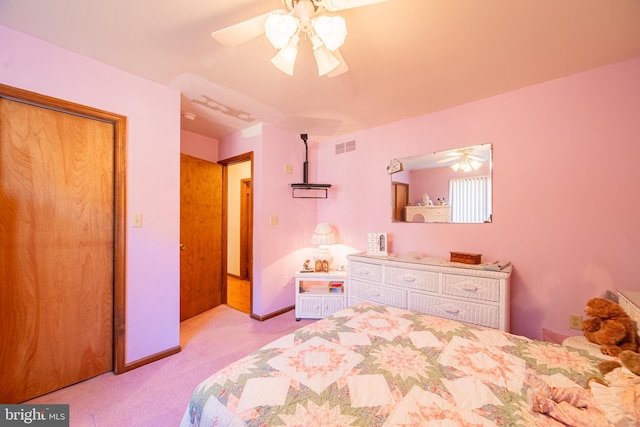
x=320 y=294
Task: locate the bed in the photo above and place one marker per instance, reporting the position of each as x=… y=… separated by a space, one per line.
x=371 y=365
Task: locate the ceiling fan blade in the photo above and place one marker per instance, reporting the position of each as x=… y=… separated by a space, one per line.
x=241 y=32
x=334 y=5
x=341 y=68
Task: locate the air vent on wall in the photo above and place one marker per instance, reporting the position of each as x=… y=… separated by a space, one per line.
x=345 y=147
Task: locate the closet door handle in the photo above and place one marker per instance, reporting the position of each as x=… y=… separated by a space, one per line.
x=182 y=246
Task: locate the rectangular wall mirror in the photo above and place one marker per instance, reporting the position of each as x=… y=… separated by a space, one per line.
x=453 y=186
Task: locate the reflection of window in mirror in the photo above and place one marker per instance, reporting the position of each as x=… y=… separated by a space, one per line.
x=469 y=198
x=460 y=176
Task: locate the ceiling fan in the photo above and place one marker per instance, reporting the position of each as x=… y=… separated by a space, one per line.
x=464 y=160
x=283 y=28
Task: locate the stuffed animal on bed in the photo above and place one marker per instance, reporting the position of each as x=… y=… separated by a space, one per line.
x=609 y=326
x=612 y=402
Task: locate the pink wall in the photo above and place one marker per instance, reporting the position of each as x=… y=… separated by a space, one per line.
x=153 y=168
x=566 y=197
x=566 y=189
x=279 y=250
x=199 y=146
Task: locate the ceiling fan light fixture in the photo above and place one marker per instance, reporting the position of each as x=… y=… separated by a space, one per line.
x=285 y=59
x=466 y=164
x=325 y=60
x=331 y=29
x=279 y=28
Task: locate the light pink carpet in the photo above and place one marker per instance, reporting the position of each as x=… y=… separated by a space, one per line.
x=157 y=394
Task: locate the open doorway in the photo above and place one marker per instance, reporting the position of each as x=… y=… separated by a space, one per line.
x=238 y=213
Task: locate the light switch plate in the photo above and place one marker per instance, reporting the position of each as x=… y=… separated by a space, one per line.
x=137 y=220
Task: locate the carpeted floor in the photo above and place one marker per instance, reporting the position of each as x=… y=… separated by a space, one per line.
x=157 y=394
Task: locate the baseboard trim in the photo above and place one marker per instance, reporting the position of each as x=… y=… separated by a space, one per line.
x=150 y=359
x=270 y=315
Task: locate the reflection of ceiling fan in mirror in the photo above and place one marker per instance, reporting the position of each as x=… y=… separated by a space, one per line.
x=464 y=160
x=283 y=28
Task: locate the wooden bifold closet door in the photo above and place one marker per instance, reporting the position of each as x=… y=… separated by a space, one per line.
x=57 y=249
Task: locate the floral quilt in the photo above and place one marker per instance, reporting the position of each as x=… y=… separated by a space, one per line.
x=371 y=365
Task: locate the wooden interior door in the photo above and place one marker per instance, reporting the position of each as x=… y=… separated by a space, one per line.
x=57 y=249
x=400 y=199
x=246 y=220
x=200 y=236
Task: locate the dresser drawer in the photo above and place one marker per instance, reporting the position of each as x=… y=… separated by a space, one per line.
x=463 y=311
x=473 y=288
x=439 y=214
x=378 y=294
x=412 y=279
x=366 y=271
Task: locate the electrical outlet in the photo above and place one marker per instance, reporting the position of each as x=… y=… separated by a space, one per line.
x=575 y=321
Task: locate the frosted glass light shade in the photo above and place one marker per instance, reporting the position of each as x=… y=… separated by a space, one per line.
x=325 y=60
x=285 y=59
x=331 y=29
x=279 y=28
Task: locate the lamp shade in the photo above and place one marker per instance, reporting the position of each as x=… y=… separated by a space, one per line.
x=323 y=235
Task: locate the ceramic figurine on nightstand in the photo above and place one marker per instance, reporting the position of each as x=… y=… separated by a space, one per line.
x=306 y=267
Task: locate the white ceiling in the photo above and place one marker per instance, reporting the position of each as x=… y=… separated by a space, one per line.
x=406 y=57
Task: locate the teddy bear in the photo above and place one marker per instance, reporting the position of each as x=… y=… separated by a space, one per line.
x=609 y=326
x=612 y=401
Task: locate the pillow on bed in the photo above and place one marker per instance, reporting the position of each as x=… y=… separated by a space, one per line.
x=620 y=399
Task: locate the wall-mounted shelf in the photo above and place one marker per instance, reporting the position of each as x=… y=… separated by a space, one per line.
x=310 y=191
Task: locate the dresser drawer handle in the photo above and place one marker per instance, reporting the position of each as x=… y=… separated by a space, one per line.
x=364 y=272
x=408 y=279
x=469 y=287
x=374 y=293
x=452 y=310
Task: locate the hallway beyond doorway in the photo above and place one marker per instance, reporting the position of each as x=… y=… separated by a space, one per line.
x=239 y=294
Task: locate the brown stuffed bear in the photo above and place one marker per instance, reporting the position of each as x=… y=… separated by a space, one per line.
x=610 y=326
x=626 y=358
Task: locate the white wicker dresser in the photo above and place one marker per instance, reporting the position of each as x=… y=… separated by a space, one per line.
x=477 y=294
